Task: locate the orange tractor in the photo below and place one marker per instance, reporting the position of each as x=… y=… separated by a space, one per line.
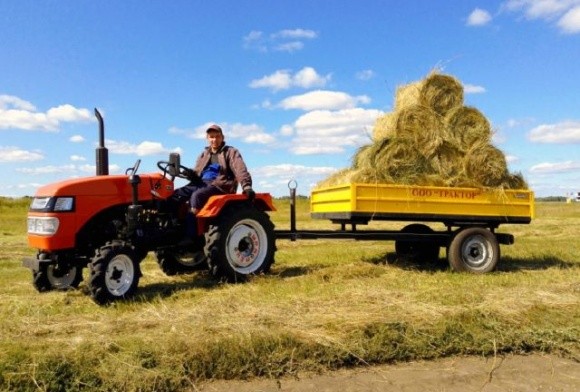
x=109 y=223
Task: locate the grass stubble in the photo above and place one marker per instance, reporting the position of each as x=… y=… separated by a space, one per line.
x=327 y=304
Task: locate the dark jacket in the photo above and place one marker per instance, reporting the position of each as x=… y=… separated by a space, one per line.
x=233 y=170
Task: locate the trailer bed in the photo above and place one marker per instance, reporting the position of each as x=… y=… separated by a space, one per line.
x=361 y=203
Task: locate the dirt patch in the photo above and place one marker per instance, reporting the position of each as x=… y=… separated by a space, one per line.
x=506 y=373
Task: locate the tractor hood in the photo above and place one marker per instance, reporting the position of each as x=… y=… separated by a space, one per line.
x=115 y=186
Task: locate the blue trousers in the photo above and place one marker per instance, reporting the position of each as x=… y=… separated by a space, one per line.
x=198 y=195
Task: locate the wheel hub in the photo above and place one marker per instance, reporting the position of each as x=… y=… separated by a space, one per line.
x=119 y=275
x=475 y=252
x=244 y=246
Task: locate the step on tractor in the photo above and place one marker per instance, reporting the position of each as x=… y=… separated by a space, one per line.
x=109 y=223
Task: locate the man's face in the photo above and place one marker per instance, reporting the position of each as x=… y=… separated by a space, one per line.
x=215 y=139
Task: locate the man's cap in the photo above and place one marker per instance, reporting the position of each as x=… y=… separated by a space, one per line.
x=214 y=127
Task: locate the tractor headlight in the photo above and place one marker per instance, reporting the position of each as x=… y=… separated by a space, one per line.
x=42 y=225
x=53 y=204
x=64 y=204
x=39 y=203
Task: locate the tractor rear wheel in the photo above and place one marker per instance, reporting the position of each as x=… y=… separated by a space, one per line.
x=240 y=243
x=179 y=262
x=115 y=273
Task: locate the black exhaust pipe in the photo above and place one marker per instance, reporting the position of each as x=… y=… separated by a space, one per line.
x=102 y=152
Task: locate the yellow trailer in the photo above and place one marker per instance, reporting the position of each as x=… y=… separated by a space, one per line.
x=366 y=202
x=470 y=215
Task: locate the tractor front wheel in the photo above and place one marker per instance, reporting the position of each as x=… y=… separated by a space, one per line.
x=56 y=277
x=115 y=273
x=240 y=243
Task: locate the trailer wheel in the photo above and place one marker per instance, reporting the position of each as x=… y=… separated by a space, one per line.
x=473 y=249
x=417 y=251
x=115 y=273
x=176 y=263
x=54 y=277
x=240 y=243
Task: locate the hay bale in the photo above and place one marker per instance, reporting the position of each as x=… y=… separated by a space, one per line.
x=486 y=165
x=447 y=161
x=418 y=124
x=515 y=181
x=401 y=161
x=384 y=126
x=441 y=93
x=361 y=157
x=467 y=126
x=408 y=95
x=369 y=175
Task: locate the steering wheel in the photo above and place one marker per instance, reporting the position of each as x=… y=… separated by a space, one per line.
x=170 y=171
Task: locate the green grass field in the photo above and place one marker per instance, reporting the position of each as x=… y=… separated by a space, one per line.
x=327 y=304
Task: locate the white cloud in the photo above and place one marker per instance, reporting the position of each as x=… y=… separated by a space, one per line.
x=307 y=77
x=322 y=99
x=555 y=167
x=478 y=17
x=290 y=47
x=291 y=171
x=329 y=132
x=16 y=113
x=286 y=130
x=570 y=22
x=296 y=33
x=366 y=74
x=10 y=101
x=15 y=154
x=511 y=158
x=77 y=158
x=564 y=132
x=49 y=169
x=473 y=89
x=254 y=40
x=565 y=12
x=68 y=113
x=279 y=80
x=76 y=139
x=69 y=170
x=287 y=40
x=535 y=9
x=283 y=79
x=249 y=133
x=144 y=148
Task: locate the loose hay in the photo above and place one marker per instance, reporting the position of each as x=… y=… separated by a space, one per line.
x=430 y=138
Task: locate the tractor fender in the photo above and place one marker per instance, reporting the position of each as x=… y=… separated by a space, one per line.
x=216 y=204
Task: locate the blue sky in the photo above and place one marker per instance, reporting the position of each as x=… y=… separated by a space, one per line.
x=296 y=84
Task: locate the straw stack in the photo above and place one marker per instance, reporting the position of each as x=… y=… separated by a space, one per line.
x=430 y=138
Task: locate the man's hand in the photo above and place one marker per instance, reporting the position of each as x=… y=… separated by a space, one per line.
x=249 y=192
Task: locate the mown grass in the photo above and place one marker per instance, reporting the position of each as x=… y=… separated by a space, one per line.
x=328 y=304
